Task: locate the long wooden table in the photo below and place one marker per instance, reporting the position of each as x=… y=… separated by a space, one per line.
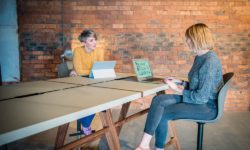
x=81 y=97
x=26 y=116
x=145 y=89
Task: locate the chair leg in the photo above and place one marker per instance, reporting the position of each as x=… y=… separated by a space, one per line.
x=200 y=136
x=78 y=129
x=78 y=126
x=4 y=147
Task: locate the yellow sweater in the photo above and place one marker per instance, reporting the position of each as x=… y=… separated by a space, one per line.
x=83 y=61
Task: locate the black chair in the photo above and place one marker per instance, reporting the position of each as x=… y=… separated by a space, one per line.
x=63 y=71
x=221 y=99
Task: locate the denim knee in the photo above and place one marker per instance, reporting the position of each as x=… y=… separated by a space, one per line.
x=157 y=100
x=164 y=100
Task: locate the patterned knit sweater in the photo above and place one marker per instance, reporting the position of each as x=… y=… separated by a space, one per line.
x=205 y=79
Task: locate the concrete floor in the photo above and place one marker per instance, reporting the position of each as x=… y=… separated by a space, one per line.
x=232 y=132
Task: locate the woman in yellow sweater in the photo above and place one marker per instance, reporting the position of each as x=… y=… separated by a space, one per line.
x=87 y=54
x=83 y=59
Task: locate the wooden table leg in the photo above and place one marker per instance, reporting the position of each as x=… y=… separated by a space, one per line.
x=173 y=137
x=112 y=137
x=61 y=134
x=122 y=116
x=176 y=139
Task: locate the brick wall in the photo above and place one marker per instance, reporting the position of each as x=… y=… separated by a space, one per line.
x=137 y=29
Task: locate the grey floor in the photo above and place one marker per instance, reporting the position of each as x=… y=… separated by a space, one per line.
x=232 y=132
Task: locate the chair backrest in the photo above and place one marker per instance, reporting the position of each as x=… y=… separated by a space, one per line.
x=227 y=78
x=63 y=70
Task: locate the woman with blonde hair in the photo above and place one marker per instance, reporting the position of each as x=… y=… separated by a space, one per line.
x=196 y=100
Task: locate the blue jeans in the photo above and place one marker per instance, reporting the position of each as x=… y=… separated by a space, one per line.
x=170 y=107
x=86 y=121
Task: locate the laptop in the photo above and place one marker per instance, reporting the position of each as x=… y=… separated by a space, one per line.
x=144 y=72
x=103 y=69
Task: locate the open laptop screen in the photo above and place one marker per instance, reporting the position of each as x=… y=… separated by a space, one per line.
x=102 y=69
x=142 y=69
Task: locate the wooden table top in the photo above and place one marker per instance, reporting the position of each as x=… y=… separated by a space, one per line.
x=30 y=88
x=145 y=88
x=21 y=117
x=88 y=81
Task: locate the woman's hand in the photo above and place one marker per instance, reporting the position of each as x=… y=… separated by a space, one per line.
x=172 y=79
x=168 y=79
x=73 y=73
x=174 y=86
